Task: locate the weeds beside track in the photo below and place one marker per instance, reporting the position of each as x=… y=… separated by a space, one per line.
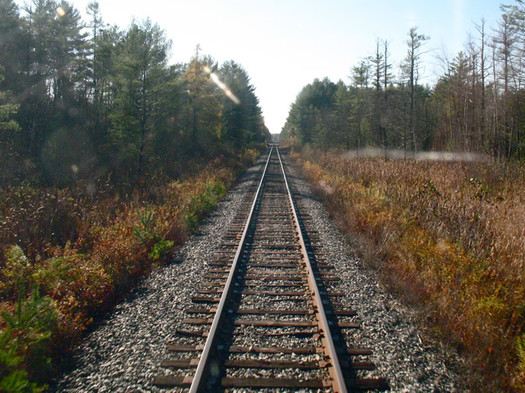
x=449 y=235
x=67 y=257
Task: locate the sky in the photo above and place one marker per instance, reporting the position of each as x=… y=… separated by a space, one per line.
x=285 y=44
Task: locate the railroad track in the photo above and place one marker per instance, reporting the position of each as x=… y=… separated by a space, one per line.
x=266 y=315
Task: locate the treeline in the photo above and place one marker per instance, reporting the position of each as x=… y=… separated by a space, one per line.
x=477 y=105
x=109 y=159
x=84 y=100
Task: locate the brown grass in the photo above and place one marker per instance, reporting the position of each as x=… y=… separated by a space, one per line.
x=451 y=235
x=83 y=253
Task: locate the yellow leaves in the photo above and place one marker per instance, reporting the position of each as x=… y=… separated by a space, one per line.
x=81 y=252
x=490 y=305
x=519 y=380
x=249 y=156
x=17 y=265
x=452 y=234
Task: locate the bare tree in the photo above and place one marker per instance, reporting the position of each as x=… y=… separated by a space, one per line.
x=482 y=75
x=410 y=69
x=377 y=64
x=387 y=75
x=504 y=43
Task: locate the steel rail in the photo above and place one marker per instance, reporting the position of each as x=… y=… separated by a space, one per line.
x=338 y=382
x=204 y=362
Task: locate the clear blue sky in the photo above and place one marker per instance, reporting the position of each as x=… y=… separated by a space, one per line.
x=285 y=44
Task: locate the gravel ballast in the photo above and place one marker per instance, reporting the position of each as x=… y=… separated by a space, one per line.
x=124 y=352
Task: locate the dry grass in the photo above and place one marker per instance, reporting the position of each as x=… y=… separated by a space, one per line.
x=453 y=236
x=81 y=254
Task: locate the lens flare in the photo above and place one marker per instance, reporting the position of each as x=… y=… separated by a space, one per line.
x=221 y=85
x=393 y=154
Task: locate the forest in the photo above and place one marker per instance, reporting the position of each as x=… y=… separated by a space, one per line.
x=476 y=106
x=110 y=158
x=83 y=100
x=428 y=183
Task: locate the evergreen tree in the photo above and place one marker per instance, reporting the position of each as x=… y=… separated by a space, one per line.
x=242 y=115
x=140 y=67
x=10 y=45
x=410 y=70
x=361 y=79
x=10 y=166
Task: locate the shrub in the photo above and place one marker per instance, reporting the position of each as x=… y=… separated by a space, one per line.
x=520 y=349
x=13 y=378
x=34 y=217
x=144 y=231
x=16 y=274
x=202 y=202
x=249 y=156
x=25 y=341
x=161 y=250
x=449 y=236
x=83 y=253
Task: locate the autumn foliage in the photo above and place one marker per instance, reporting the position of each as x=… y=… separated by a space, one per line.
x=67 y=257
x=449 y=235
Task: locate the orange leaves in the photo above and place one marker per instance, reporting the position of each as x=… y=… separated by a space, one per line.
x=451 y=233
x=84 y=253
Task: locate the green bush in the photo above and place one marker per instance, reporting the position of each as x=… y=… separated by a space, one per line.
x=54 y=271
x=144 y=232
x=25 y=342
x=12 y=377
x=203 y=203
x=161 y=250
x=16 y=273
x=82 y=271
x=249 y=156
x=158 y=248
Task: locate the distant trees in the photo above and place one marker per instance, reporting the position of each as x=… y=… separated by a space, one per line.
x=9 y=130
x=480 y=97
x=140 y=71
x=477 y=105
x=88 y=100
x=410 y=72
x=10 y=43
x=374 y=110
x=239 y=118
x=311 y=112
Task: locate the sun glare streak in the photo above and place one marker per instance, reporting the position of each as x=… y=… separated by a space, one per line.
x=393 y=154
x=221 y=85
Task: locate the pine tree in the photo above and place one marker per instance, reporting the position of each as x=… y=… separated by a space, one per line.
x=242 y=113
x=10 y=165
x=140 y=70
x=10 y=45
x=411 y=72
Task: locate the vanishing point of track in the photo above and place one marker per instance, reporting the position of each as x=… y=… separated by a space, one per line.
x=267 y=315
